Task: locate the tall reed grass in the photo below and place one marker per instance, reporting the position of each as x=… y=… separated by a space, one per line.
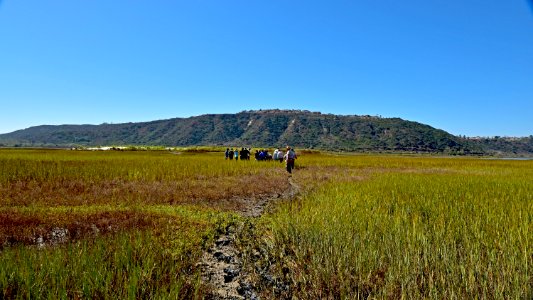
x=365 y=226
x=127 y=266
x=133 y=224
x=409 y=228
x=153 y=258
x=81 y=178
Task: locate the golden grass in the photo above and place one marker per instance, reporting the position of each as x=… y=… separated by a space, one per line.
x=364 y=226
x=130 y=224
x=405 y=227
x=128 y=178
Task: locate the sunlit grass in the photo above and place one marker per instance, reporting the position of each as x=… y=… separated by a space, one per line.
x=410 y=227
x=364 y=225
x=134 y=224
x=70 y=178
x=129 y=265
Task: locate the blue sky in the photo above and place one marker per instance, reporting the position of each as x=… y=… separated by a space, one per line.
x=462 y=66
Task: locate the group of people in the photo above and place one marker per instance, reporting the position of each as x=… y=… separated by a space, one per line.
x=244 y=153
x=262 y=155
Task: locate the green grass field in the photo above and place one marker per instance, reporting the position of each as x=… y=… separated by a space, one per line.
x=440 y=228
x=133 y=224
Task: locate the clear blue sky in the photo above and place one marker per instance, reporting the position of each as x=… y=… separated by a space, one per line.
x=462 y=66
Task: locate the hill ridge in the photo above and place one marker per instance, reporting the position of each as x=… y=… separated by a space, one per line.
x=269 y=127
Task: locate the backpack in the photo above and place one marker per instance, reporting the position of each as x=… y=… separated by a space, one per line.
x=290 y=154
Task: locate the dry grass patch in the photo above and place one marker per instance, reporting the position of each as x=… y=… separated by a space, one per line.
x=198 y=191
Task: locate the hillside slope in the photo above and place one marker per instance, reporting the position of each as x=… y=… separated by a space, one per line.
x=254 y=128
x=506 y=146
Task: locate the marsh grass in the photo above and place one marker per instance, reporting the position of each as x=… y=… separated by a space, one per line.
x=364 y=226
x=150 y=252
x=127 y=266
x=49 y=178
x=132 y=224
x=408 y=228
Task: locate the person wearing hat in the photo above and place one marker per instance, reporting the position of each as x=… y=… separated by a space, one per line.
x=289 y=157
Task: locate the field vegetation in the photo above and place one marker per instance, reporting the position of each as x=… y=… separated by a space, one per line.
x=404 y=227
x=117 y=224
x=133 y=224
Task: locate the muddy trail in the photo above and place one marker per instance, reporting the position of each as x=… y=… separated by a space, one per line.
x=221 y=264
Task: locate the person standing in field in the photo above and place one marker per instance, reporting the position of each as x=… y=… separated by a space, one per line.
x=280 y=156
x=275 y=155
x=290 y=157
x=230 y=154
x=227 y=153
x=236 y=152
x=262 y=155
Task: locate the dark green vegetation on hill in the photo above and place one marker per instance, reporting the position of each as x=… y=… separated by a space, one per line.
x=302 y=129
x=506 y=145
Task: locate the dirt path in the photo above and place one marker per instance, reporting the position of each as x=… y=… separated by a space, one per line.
x=221 y=264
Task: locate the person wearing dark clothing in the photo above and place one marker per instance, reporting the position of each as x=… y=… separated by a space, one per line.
x=290 y=157
x=227 y=153
x=231 y=154
x=268 y=156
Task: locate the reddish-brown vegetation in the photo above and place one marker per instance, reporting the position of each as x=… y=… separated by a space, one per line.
x=198 y=191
